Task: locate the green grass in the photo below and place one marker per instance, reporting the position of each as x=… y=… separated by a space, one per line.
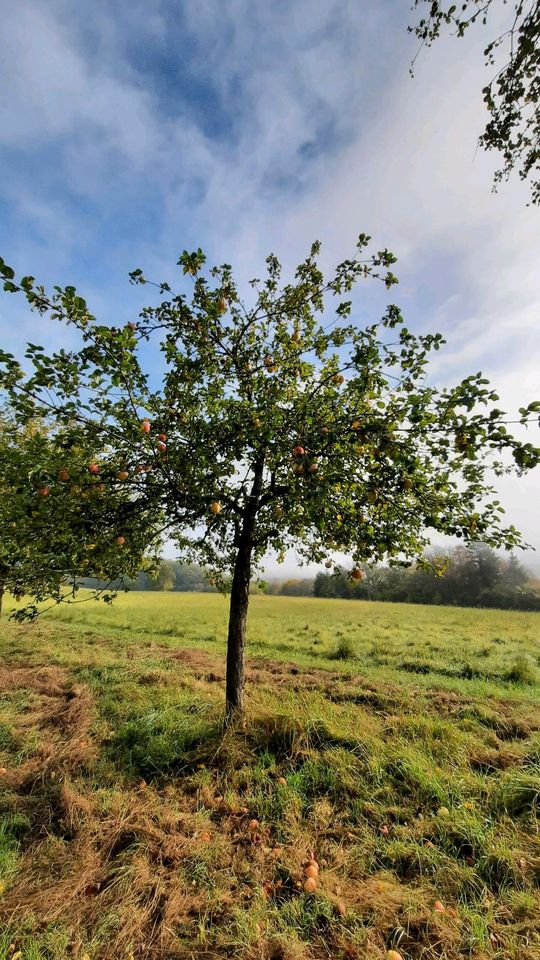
x=407 y=738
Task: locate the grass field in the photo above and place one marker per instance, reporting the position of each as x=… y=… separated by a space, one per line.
x=398 y=745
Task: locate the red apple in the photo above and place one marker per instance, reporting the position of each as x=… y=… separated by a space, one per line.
x=43 y=491
x=120 y=541
x=122 y=475
x=132 y=326
x=145 y=426
x=358 y=574
x=161 y=446
x=93 y=468
x=162 y=437
x=298 y=451
x=313 y=467
x=63 y=474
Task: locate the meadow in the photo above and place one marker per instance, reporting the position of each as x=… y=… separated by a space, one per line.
x=396 y=745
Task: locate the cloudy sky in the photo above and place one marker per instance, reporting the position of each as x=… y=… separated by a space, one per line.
x=129 y=132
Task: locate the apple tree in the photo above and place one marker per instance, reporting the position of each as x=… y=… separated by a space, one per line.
x=269 y=422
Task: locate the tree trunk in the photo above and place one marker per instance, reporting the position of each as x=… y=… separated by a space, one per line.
x=237 y=631
x=236 y=641
x=1 y=596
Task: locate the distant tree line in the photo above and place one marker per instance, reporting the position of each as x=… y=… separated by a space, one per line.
x=472 y=576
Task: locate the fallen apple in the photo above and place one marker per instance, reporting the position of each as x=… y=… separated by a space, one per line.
x=310 y=885
x=253 y=825
x=311 y=871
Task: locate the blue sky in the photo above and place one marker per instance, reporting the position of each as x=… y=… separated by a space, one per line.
x=131 y=131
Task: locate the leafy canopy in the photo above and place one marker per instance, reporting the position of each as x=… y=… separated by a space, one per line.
x=326 y=435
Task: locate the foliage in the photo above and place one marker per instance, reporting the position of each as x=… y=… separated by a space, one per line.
x=513 y=95
x=60 y=521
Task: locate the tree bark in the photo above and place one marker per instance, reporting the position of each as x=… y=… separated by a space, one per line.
x=237 y=631
x=239 y=604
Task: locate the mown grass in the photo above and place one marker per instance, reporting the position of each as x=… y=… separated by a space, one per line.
x=398 y=744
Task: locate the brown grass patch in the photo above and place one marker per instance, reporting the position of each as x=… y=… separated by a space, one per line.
x=61 y=713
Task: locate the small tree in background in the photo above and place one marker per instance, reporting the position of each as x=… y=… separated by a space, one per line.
x=272 y=427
